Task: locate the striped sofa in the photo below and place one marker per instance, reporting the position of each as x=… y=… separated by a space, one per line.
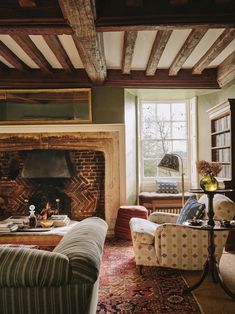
x=64 y=281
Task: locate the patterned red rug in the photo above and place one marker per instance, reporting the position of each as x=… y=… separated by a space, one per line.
x=123 y=290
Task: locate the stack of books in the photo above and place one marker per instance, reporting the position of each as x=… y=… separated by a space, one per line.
x=8 y=226
x=60 y=220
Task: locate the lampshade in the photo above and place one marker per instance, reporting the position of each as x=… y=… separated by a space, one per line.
x=170 y=162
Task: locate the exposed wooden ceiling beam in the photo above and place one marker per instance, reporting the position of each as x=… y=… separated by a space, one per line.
x=56 y=46
x=128 y=50
x=32 y=51
x=79 y=14
x=7 y=54
x=158 y=47
x=162 y=80
x=27 y=3
x=226 y=70
x=191 y=42
x=219 y=45
x=35 y=29
x=184 y=13
x=79 y=78
x=3 y=67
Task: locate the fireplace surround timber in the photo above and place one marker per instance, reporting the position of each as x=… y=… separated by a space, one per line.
x=107 y=139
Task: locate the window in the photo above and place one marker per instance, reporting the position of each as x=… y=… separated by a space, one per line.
x=163 y=129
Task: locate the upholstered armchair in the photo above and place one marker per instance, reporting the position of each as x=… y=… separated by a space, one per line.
x=160 y=241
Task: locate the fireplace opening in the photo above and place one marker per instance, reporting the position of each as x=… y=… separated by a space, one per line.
x=80 y=196
x=51 y=200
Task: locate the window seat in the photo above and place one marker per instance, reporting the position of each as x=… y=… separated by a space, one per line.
x=163 y=202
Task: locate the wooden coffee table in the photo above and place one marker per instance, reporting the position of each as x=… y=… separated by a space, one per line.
x=43 y=239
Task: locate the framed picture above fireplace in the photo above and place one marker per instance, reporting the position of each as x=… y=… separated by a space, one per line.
x=45 y=106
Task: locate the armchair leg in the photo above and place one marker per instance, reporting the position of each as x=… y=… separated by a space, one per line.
x=139 y=269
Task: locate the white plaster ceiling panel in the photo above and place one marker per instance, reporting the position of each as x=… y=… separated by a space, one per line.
x=173 y=46
x=6 y=62
x=205 y=43
x=18 y=51
x=113 y=45
x=71 y=50
x=41 y=44
x=143 y=46
x=223 y=55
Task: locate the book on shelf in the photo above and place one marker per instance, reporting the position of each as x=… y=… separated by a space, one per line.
x=60 y=220
x=7 y=226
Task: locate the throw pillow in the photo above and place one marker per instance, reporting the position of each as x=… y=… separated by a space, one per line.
x=170 y=187
x=192 y=210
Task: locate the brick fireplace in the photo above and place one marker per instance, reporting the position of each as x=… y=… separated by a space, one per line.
x=94 y=187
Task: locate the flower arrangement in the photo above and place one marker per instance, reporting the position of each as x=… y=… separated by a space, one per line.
x=204 y=168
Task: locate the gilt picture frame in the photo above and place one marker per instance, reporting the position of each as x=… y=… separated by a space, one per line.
x=46 y=106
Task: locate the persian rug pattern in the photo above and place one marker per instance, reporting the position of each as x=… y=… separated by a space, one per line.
x=122 y=290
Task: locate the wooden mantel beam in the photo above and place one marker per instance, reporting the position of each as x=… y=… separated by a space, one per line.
x=80 y=16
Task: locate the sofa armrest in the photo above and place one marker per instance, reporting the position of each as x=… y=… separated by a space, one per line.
x=24 y=267
x=83 y=246
x=160 y=218
x=182 y=247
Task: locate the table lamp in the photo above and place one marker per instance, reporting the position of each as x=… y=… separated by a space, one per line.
x=170 y=162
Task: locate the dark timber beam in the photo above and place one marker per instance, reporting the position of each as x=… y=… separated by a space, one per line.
x=115 y=78
x=79 y=14
x=226 y=70
x=191 y=42
x=32 y=51
x=27 y=3
x=7 y=54
x=58 y=49
x=128 y=51
x=35 y=29
x=219 y=45
x=158 y=47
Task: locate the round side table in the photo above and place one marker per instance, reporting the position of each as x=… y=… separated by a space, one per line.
x=211 y=264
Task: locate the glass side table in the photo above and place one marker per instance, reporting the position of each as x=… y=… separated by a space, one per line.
x=211 y=264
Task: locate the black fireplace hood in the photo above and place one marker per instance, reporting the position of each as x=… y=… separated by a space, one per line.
x=46 y=163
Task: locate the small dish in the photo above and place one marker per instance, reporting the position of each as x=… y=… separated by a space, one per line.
x=193 y=222
x=46 y=223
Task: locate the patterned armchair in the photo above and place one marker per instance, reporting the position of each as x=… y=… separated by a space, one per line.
x=159 y=241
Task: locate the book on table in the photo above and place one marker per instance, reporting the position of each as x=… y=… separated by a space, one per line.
x=60 y=220
x=8 y=226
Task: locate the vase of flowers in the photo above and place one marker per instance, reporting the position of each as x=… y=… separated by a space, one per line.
x=209 y=170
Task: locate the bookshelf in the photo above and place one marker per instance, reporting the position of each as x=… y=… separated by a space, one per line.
x=222 y=134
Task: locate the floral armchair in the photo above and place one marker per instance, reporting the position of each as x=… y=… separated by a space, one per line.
x=159 y=241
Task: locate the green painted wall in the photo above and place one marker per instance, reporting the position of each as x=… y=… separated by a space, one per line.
x=108 y=104
x=205 y=102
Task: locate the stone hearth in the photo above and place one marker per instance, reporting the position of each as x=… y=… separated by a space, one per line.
x=74 y=139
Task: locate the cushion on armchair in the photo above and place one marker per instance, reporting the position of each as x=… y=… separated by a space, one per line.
x=192 y=210
x=223 y=206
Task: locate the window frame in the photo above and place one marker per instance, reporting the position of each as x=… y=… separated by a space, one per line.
x=148 y=183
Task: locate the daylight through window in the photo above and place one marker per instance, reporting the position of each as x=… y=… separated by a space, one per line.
x=164 y=129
